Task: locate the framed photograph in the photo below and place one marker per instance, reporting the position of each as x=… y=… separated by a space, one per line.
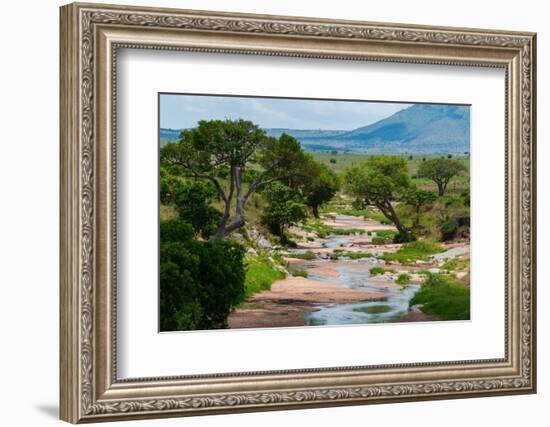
x=267 y=212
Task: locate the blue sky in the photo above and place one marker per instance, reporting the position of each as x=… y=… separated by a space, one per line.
x=183 y=111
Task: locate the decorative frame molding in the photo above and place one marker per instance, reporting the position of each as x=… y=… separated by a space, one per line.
x=90 y=36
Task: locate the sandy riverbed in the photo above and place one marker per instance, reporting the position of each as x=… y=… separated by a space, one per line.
x=289 y=299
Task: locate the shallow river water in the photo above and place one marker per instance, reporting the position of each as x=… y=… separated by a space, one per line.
x=394 y=304
x=355 y=275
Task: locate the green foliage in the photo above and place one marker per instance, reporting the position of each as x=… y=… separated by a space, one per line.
x=440 y=170
x=237 y=151
x=456 y=264
x=414 y=251
x=300 y=273
x=320 y=186
x=380 y=181
x=444 y=298
x=403 y=279
x=285 y=209
x=374 y=271
x=417 y=199
x=383 y=237
x=449 y=229
x=199 y=281
x=260 y=275
x=193 y=204
x=323 y=230
x=308 y=256
x=404 y=237
x=357 y=255
x=376 y=240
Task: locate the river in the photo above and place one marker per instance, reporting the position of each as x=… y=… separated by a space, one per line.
x=354 y=274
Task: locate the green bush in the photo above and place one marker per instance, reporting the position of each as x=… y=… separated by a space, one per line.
x=200 y=281
x=449 y=229
x=403 y=279
x=334 y=256
x=308 y=256
x=192 y=200
x=374 y=271
x=444 y=298
x=404 y=237
x=260 y=275
x=357 y=255
x=414 y=251
x=381 y=240
x=300 y=273
x=323 y=230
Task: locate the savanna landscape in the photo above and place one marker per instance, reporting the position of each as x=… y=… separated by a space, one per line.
x=277 y=226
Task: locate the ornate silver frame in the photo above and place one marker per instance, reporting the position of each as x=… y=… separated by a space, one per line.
x=90 y=36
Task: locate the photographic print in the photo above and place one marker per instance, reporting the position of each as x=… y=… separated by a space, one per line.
x=278 y=212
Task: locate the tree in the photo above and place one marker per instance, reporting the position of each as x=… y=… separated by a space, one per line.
x=315 y=182
x=321 y=187
x=192 y=200
x=379 y=181
x=440 y=171
x=285 y=208
x=228 y=148
x=417 y=198
x=200 y=282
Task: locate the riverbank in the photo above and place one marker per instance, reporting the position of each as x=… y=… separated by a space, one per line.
x=290 y=299
x=338 y=287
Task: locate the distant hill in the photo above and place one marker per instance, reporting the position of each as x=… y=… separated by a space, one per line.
x=419 y=129
x=167 y=134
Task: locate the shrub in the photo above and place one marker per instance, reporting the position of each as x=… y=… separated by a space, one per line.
x=192 y=202
x=357 y=255
x=300 y=273
x=444 y=298
x=414 y=251
x=374 y=271
x=404 y=237
x=200 y=281
x=308 y=256
x=383 y=237
x=337 y=254
x=260 y=275
x=403 y=279
x=449 y=229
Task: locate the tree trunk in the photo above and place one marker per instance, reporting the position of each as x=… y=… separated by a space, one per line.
x=238 y=221
x=442 y=187
x=417 y=218
x=389 y=212
x=315 y=211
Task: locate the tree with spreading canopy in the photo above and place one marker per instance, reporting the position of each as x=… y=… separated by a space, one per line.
x=440 y=171
x=417 y=199
x=285 y=208
x=379 y=182
x=230 y=150
x=315 y=182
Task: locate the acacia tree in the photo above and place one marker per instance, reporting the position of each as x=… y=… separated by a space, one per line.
x=378 y=182
x=285 y=208
x=218 y=148
x=440 y=171
x=417 y=198
x=315 y=182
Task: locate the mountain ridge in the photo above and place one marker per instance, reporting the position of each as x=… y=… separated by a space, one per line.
x=418 y=129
